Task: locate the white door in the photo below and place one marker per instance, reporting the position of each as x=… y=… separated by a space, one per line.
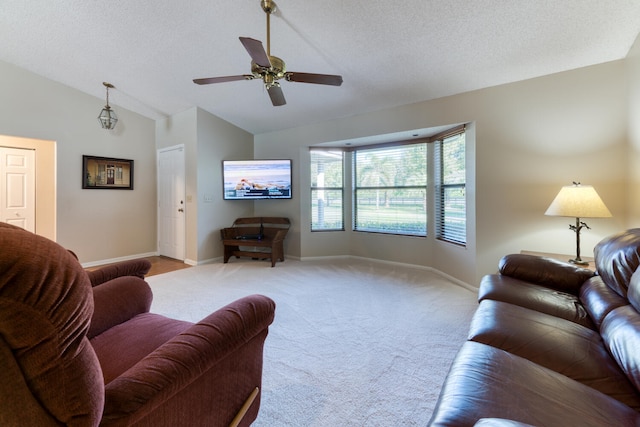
x=171 y=203
x=18 y=187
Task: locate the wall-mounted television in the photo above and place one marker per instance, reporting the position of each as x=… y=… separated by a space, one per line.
x=256 y=179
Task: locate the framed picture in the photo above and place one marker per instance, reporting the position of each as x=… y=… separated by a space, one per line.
x=107 y=173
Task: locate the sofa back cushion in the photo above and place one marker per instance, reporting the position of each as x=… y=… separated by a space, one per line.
x=617 y=257
x=633 y=293
x=620 y=331
x=599 y=299
x=118 y=300
x=45 y=309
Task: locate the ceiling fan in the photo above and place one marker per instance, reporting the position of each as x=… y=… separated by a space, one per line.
x=271 y=68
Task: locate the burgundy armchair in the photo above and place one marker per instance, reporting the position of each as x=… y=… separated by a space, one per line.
x=77 y=355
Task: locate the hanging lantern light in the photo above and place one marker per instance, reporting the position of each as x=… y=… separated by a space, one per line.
x=108 y=117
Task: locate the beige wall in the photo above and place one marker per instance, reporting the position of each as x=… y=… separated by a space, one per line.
x=633 y=193
x=208 y=140
x=218 y=140
x=529 y=139
x=96 y=224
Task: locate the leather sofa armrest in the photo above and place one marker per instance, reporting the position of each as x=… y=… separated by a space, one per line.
x=233 y=335
x=545 y=271
x=135 y=267
x=117 y=301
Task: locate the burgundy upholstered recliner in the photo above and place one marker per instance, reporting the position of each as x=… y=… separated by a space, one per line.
x=72 y=354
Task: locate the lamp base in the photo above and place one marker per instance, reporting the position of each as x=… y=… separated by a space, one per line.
x=578 y=262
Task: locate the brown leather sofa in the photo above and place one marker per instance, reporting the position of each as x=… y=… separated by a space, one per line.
x=552 y=344
x=80 y=355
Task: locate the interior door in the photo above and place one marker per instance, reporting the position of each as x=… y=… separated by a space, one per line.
x=171 y=203
x=18 y=187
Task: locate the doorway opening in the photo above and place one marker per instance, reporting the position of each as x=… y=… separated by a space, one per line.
x=45 y=181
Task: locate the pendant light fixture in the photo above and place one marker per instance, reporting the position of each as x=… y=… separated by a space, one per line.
x=108 y=117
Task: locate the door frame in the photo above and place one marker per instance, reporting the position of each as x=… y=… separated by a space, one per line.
x=159 y=212
x=46 y=182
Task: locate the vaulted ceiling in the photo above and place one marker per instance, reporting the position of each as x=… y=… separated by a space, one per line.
x=389 y=53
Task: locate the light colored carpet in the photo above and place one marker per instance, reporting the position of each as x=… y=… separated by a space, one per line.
x=354 y=343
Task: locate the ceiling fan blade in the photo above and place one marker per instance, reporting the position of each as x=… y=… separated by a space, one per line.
x=276 y=95
x=223 y=79
x=320 y=79
x=256 y=51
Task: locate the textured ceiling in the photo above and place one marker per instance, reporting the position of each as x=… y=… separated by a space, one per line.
x=389 y=53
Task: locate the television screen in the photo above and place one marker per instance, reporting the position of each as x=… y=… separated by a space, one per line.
x=256 y=179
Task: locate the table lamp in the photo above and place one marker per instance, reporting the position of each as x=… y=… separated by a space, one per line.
x=578 y=201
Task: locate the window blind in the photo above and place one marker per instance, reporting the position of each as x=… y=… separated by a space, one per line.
x=389 y=192
x=451 y=218
x=327 y=193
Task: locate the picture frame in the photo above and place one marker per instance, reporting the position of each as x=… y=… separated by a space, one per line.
x=105 y=173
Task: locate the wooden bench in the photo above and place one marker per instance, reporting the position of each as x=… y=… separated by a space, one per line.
x=258 y=238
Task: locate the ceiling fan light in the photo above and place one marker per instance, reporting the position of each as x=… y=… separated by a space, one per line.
x=270 y=84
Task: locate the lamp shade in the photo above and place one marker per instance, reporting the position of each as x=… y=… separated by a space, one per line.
x=578 y=201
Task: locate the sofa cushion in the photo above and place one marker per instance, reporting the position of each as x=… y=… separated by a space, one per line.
x=558 y=344
x=117 y=301
x=621 y=333
x=617 y=258
x=599 y=299
x=487 y=382
x=45 y=310
x=535 y=297
x=124 y=345
x=633 y=293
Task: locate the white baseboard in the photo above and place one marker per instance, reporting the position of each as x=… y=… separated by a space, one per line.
x=114 y=260
x=401 y=264
x=205 y=261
